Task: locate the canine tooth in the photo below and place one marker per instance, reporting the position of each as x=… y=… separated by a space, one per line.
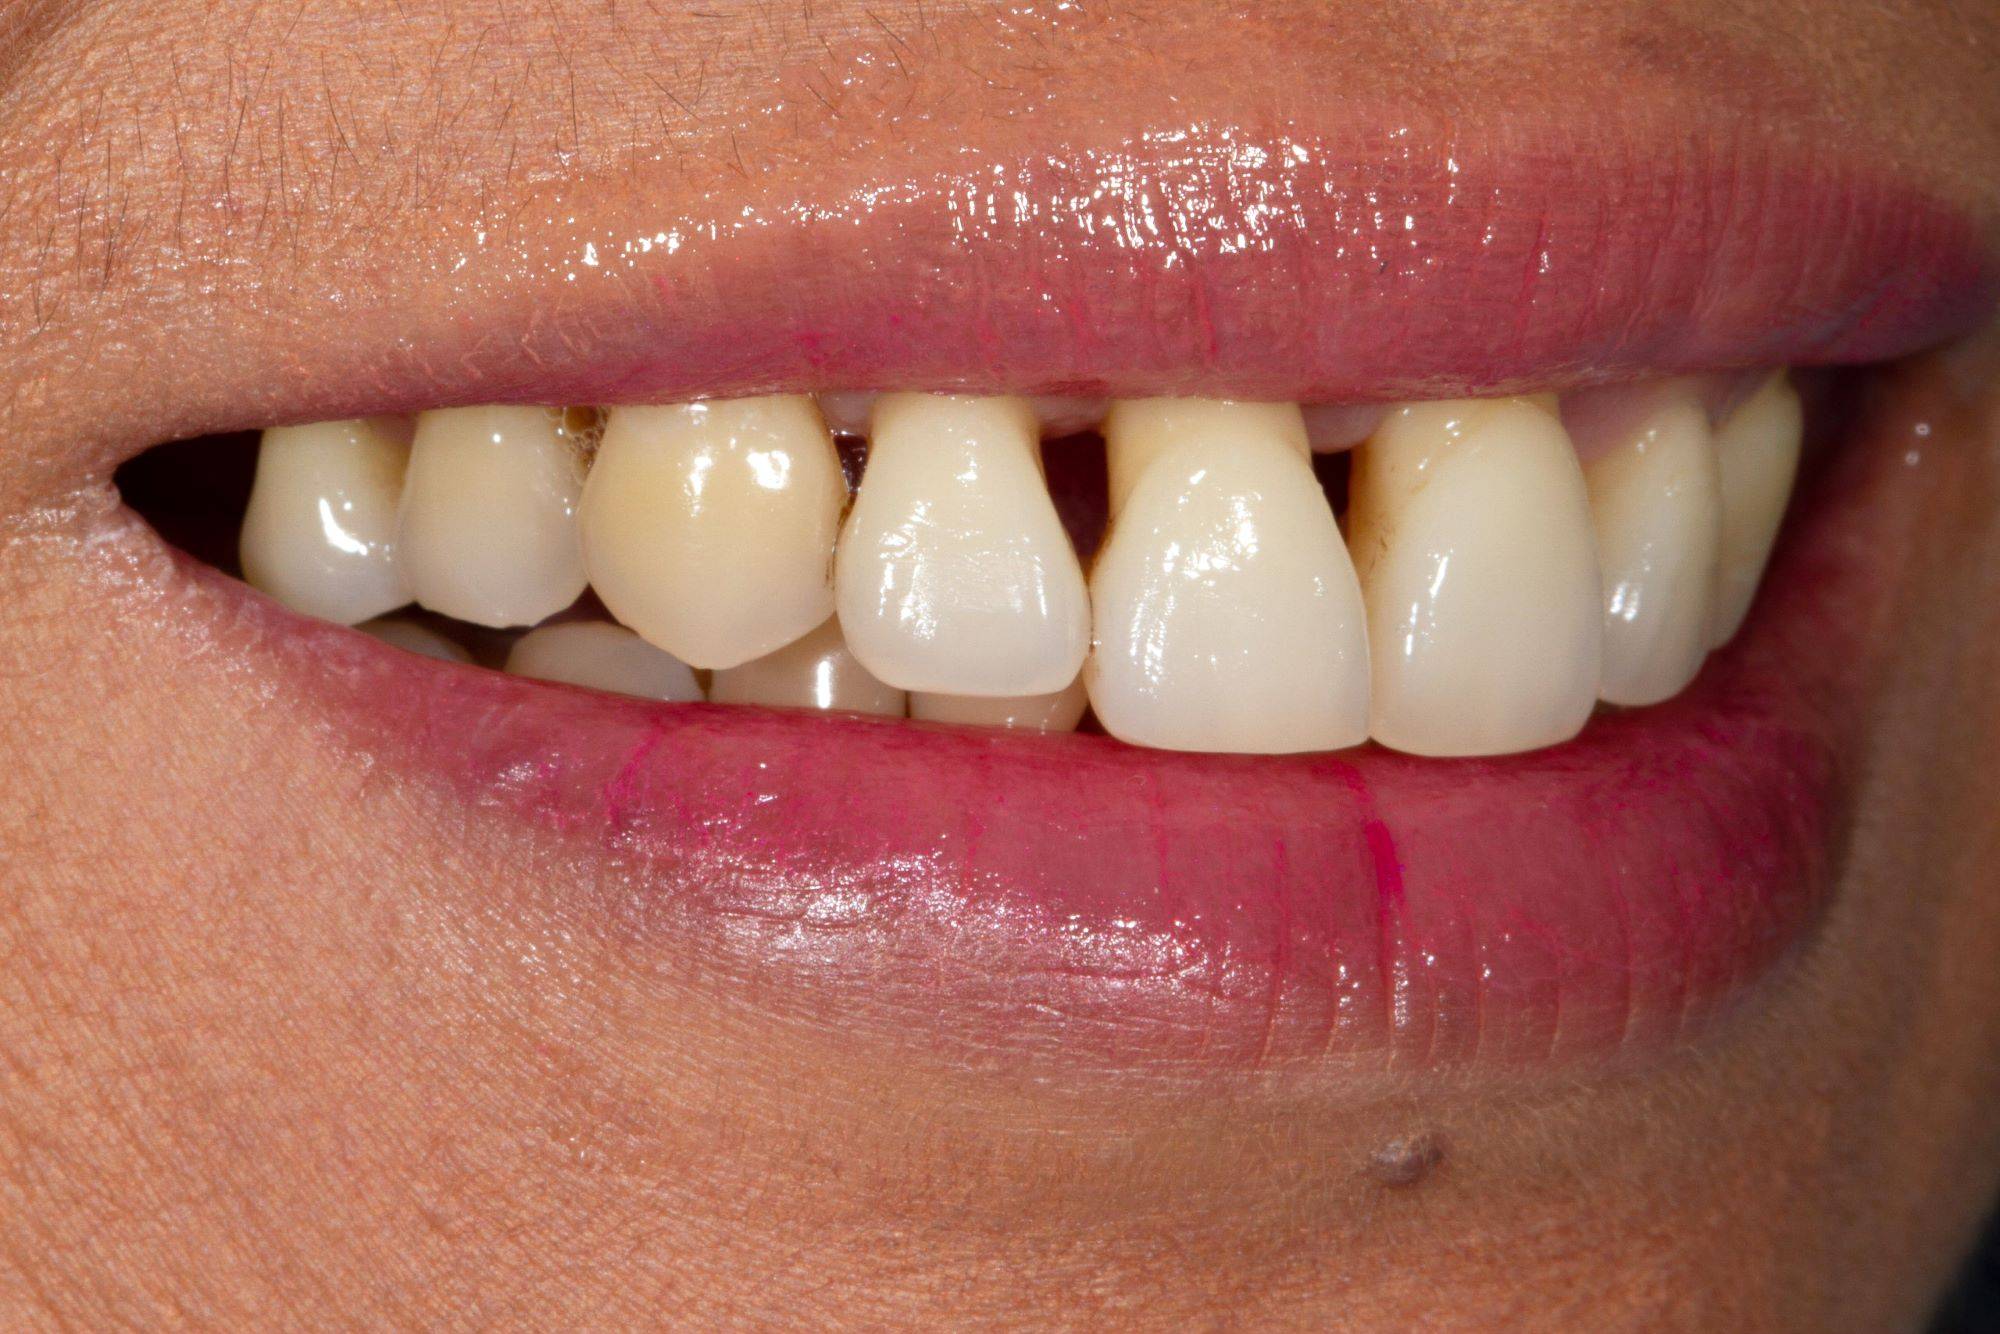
x=709 y=527
x=488 y=527
x=817 y=672
x=954 y=574
x=1059 y=712
x=1656 y=502
x=320 y=531
x=1470 y=525
x=414 y=637
x=1228 y=617
x=602 y=656
x=1758 y=450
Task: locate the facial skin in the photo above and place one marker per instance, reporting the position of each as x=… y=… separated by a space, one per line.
x=284 y=1041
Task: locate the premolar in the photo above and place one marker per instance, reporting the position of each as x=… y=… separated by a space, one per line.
x=320 y=532
x=1757 y=448
x=1228 y=617
x=488 y=528
x=1656 y=499
x=1471 y=527
x=602 y=656
x=954 y=574
x=817 y=672
x=709 y=527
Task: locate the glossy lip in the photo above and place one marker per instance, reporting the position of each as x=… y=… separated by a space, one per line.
x=1074 y=897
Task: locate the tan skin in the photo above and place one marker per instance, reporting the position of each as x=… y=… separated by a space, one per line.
x=282 y=1045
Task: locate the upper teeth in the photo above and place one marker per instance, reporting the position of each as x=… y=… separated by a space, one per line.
x=1500 y=585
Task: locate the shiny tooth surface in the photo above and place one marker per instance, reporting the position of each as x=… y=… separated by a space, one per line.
x=602 y=656
x=1058 y=712
x=709 y=527
x=320 y=531
x=954 y=574
x=414 y=637
x=1470 y=525
x=1228 y=617
x=488 y=530
x=817 y=672
x=1757 y=448
x=1656 y=503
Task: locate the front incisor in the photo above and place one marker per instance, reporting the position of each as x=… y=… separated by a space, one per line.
x=954 y=573
x=709 y=527
x=1228 y=617
x=1471 y=530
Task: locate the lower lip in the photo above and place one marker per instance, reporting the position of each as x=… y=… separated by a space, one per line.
x=1074 y=897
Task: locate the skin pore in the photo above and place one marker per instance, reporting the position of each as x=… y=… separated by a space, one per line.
x=284 y=1041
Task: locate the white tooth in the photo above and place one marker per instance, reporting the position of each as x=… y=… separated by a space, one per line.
x=1471 y=528
x=815 y=673
x=709 y=527
x=413 y=637
x=320 y=533
x=602 y=656
x=1656 y=501
x=488 y=530
x=848 y=412
x=1758 y=449
x=1227 y=613
x=954 y=574
x=1060 y=712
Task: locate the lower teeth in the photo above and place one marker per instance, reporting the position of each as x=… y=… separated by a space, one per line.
x=1499 y=583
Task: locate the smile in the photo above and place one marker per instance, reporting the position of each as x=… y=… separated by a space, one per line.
x=1056 y=601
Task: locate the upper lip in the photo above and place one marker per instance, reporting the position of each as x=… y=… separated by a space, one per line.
x=1339 y=262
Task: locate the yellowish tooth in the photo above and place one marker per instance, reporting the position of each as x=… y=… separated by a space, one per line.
x=1758 y=450
x=1470 y=525
x=1059 y=712
x=1228 y=617
x=817 y=672
x=954 y=574
x=414 y=637
x=320 y=532
x=488 y=529
x=602 y=656
x=709 y=527
x=1656 y=501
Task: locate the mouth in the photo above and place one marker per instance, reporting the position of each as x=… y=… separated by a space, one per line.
x=1238 y=600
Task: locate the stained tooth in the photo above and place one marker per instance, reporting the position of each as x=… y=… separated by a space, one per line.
x=954 y=574
x=709 y=527
x=1758 y=450
x=1059 y=712
x=1656 y=500
x=817 y=672
x=320 y=532
x=414 y=637
x=488 y=528
x=602 y=656
x=1471 y=527
x=1227 y=613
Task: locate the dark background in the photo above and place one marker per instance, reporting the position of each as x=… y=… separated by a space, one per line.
x=1974 y=1308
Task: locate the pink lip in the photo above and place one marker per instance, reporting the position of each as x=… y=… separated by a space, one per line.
x=1072 y=894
